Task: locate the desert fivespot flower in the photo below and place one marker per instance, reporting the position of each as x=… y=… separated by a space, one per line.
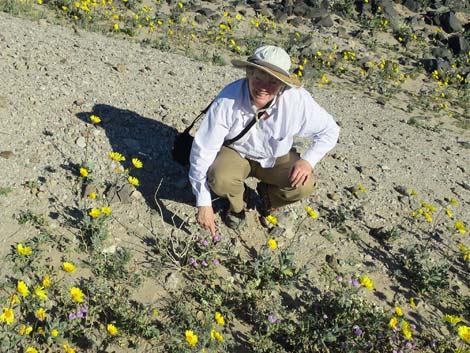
x=191 y=338
x=464 y=333
x=22 y=288
x=219 y=318
x=83 y=172
x=68 y=267
x=116 y=156
x=94 y=213
x=7 y=316
x=112 y=330
x=133 y=180
x=40 y=292
x=41 y=314
x=367 y=282
x=76 y=294
x=95 y=119
x=23 y=250
x=137 y=163
x=272 y=244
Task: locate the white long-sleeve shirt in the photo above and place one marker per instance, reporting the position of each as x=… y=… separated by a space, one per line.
x=293 y=113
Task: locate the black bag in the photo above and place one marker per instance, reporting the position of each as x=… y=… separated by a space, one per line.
x=184 y=141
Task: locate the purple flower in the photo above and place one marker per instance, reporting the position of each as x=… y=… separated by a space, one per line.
x=216 y=238
x=84 y=309
x=413 y=326
x=205 y=242
x=272 y=319
x=193 y=262
x=349 y=280
x=216 y=262
x=204 y=263
x=72 y=316
x=79 y=314
x=408 y=345
x=339 y=279
x=357 y=330
x=355 y=283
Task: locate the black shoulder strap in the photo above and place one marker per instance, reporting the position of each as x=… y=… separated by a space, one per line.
x=204 y=111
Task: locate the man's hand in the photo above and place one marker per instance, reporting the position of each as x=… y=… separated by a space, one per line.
x=205 y=217
x=300 y=173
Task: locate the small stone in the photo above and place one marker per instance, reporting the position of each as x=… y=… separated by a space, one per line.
x=6 y=154
x=333 y=196
x=402 y=190
x=173 y=281
x=109 y=250
x=120 y=68
x=81 y=142
x=79 y=102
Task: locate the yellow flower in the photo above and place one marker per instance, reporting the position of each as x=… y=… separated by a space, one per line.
x=92 y=195
x=24 y=330
x=106 y=210
x=54 y=332
x=271 y=219
x=8 y=316
x=398 y=311
x=137 y=163
x=217 y=336
x=46 y=281
x=367 y=282
x=40 y=292
x=95 y=119
x=393 y=322
x=191 y=338
x=449 y=212
x=41 y=314
x=453 y=319
x=22 y=288
x=68 y=267
x=460 y=227
x=112 y=330
x=155 y=312
x=219 y=318
x=272 y=244
x=68 y=349
x=464 y=333
x=311 y=212
x=31 y=350
x=406 y=329
x=40 y=331
x=76 y=294
x=238 y=16
x=24 y=250
x=94 y=213
x=14 y=299
x=116 y=156
x=133 y=180
x=412 y=302
x=453 y=201
x=116 y=26
x=83 y=172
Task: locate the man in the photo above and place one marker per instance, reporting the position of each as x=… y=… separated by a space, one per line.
x=281 y=109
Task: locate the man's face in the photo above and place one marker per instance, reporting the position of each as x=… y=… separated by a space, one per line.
x=263 y=87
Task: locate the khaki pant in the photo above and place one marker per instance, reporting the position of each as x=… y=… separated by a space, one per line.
x=227 y=174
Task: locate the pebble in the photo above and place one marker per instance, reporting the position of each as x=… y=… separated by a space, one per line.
x=6 y=154
x=81 y=142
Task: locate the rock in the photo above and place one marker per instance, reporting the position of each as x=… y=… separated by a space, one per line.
x=173 y=281
x=333 y=196
x=450 y=23
x=109 y=250
x=81 y=142
x=120 y=68
x=458 y=44
x=402 y=190
x=413 y=5
x=6 y=154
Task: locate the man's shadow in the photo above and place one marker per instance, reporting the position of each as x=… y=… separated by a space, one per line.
x=134 y=136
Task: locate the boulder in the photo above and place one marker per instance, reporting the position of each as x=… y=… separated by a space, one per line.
x=450 y=23
x=458 y=44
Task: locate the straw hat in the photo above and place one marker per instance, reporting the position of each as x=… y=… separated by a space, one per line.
x=272 y=60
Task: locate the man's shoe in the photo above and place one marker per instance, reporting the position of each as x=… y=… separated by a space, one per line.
x=235 y=220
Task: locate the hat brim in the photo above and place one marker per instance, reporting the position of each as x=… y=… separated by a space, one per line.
x=291 y=81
